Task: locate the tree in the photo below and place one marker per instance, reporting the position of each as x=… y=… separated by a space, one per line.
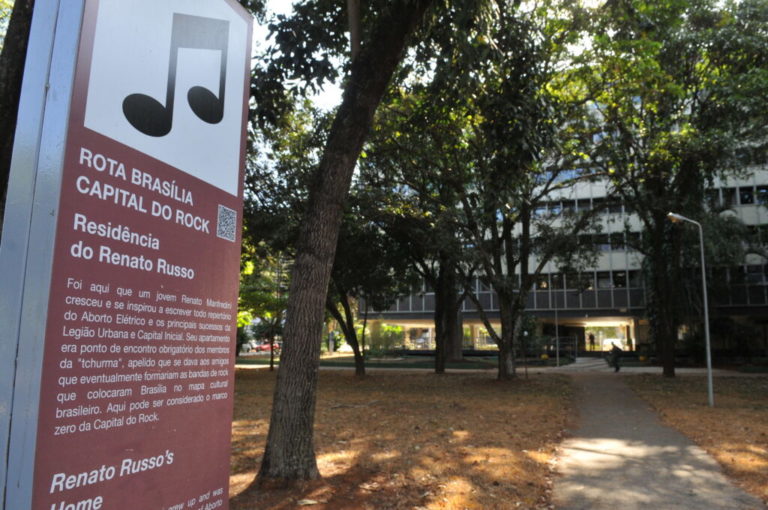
x=289 y=452
x=521 y=157
x=367 y=267
x=416 y=158
x=12 y=60
x=679 y=99
x=263 y=293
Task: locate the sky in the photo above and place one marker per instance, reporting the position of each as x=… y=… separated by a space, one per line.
x=327 y=99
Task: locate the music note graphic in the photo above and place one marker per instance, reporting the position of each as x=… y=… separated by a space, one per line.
x=153 y=118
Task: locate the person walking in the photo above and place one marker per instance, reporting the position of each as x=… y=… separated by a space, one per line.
x=615 y=357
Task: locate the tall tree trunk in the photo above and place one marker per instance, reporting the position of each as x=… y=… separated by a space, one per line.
x=442 y=304
x=12 y=61
x=290 y=452
x=448 y=332
x=347 y=325
x=507 y=369
x=454 y=333
x=663 y=260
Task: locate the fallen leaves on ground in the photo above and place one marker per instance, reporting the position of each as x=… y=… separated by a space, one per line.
x=735 y=431
x=397 y=440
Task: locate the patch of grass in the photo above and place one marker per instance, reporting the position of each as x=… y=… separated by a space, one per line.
x=398 y=440
x=735 y=431
x=428 y=362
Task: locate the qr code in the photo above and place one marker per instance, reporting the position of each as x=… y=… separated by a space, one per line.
x=226 y=223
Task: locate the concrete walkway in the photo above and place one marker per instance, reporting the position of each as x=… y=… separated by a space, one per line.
x=621 y=456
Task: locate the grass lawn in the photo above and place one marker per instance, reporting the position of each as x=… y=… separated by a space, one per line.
x=410 y=441
x=489 y=362
x=735 y=431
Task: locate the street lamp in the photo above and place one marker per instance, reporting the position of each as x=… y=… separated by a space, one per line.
x=674 y=217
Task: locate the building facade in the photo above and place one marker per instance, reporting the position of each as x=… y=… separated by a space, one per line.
x=607 y=302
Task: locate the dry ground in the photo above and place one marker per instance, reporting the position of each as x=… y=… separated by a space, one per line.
x=735 y=431
x=411 y=441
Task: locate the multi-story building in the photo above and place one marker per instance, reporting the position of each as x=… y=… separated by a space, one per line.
x=609 y=299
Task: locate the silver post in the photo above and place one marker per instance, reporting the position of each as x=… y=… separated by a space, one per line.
x=557 y=336
x=710 y=390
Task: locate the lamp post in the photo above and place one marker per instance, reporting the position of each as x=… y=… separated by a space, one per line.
x=557 y=335
x=674 y=217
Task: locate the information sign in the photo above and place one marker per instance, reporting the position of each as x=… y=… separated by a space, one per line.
x=137 y=372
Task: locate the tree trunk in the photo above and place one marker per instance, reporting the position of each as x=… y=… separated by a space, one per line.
x=11 y=71
x=663 y=260
x=454 y=333
x=289 y=452
x=347 y=324
x=507 y=369
x=442 y=300
x=506 y=358
x=447 y=316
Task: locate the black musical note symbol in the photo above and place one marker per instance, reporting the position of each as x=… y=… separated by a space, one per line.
x=154 y=118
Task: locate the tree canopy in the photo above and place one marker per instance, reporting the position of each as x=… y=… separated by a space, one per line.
x=677 y=101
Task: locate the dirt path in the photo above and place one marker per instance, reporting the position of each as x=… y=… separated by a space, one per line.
x=621 y=456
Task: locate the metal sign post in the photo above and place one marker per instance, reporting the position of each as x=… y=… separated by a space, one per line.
x=120 y=256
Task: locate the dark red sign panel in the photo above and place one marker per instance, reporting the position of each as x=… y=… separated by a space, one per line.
x=137 y=382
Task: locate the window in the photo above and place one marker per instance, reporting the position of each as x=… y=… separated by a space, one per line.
x=554 y=208
x=619 y=279
x=755 y=274
x=762 y=231
x=737 y=275
x=635 y=279
x=729 y=197
x=572 y=280
x=586 y=281
x=604 y=280
x=746 y=195
x=602 y=242
x=557 y=281
x=584 y=204
x=633 y=240
x=569 y=206
x=762 y=195
x=617 y=241
x=712 y=198
x=614 y=206
x=599 y=203
x=719 y=276
x=542 y=282
x=540 y=210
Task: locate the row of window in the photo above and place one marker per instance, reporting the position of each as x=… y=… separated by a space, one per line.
x=556 y=207
x=617 y=241
x=590 y=280
x=742 y=195
x=739 y=275
x=716 y=197
x=736 y=286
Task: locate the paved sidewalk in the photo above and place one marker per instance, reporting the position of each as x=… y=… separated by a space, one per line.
x=621 y=456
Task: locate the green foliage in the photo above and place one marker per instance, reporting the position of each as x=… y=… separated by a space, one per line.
x=678 y=91
x=386 y=337
x=6 y=6
x=263 y=291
